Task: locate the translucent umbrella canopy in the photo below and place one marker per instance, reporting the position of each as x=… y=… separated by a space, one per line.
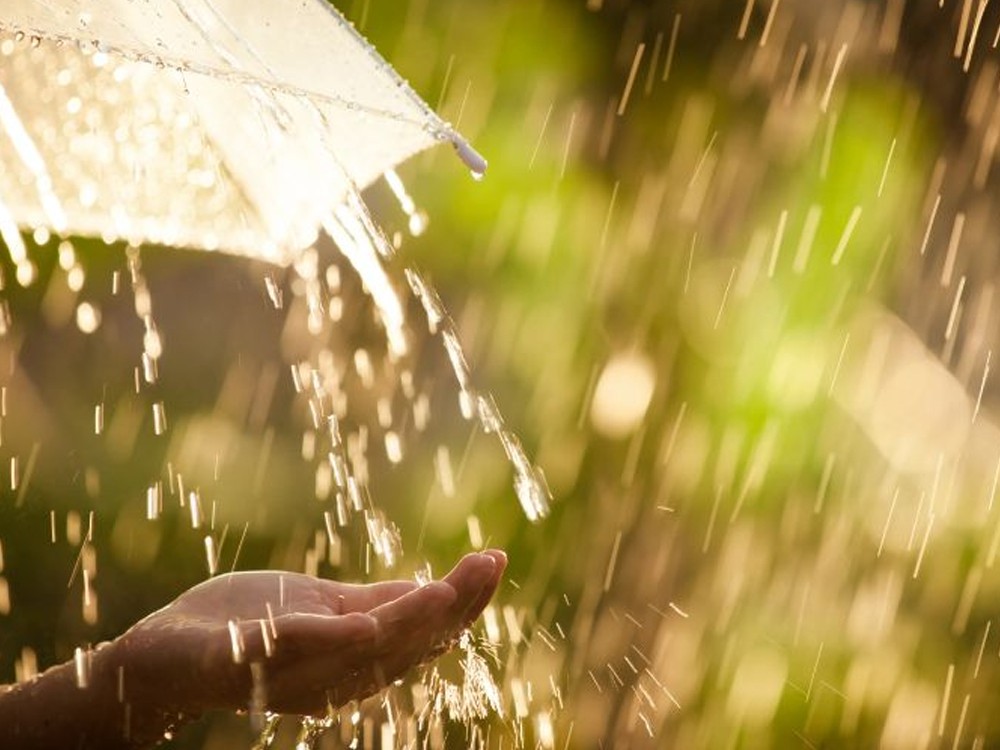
x=219 y=124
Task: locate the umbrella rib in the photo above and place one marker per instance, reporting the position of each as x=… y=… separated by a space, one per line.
x=437 y=127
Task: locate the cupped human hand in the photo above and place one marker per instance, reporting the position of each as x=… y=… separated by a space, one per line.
x=293 y=643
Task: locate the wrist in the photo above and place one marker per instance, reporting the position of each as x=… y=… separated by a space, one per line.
x=145 y=690
x=69 y=705
x=170 y=676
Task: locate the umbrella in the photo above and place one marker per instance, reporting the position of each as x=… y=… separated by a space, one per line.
x=238 y=125
x=216 y=124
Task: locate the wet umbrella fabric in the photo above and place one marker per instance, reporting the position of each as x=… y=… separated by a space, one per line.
x=217 y=124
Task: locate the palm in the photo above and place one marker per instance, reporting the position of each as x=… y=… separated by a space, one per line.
x=319 y=643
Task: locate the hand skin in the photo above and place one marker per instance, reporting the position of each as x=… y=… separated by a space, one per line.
x=284 y=642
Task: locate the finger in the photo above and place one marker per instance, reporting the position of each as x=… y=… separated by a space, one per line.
x=417 y=610
x=320 y=662
x=424 y=622
x=470 y=575
x=409 y=629
x=346 y=597
x=296 y=635
x=476 y=608
x=319 y=685
x=473 y=578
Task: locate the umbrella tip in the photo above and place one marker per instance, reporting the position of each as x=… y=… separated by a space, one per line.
x=469 y=156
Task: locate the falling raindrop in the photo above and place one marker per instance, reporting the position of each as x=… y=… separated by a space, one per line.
x=25 y=273
x=88 y=317
x=81 y=661
x=159 y=418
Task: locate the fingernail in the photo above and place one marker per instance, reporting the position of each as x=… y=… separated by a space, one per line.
x=499 y=558
x=484 y=569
